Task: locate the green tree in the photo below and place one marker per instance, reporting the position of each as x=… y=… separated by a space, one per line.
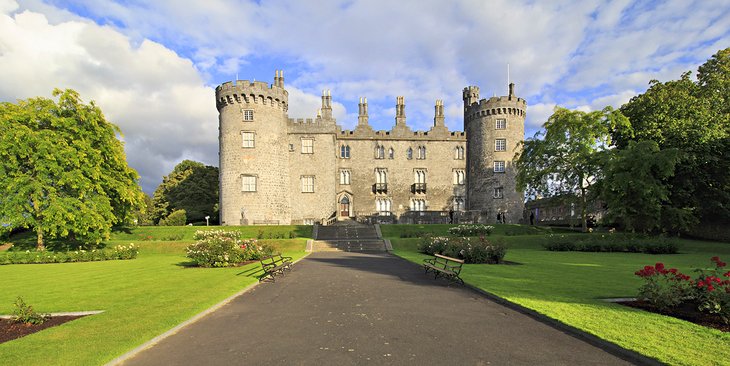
x=694 y=118
x=191 y=186
x=564 y=160
x=634 y=185
x=63 y=172
x=176 y=218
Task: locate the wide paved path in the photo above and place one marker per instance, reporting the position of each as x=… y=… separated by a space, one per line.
x=367 y=309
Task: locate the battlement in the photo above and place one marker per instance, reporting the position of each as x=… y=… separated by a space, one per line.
x=504 y=105
x=433 y=135
x=258 y=92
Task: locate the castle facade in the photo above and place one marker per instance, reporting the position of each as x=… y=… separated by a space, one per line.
x=279 y=170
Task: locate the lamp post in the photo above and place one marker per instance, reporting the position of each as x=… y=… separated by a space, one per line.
x=206 y=220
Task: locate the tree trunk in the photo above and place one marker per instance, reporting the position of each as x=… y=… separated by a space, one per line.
x=39 y=244
x=583 y=213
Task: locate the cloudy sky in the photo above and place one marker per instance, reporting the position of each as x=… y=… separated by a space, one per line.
x=152 y=66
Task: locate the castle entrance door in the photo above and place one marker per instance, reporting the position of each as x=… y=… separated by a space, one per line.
x=345 y=207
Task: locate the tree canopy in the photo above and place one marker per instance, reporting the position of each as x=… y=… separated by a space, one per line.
x=63 y=172
x=564 y=159
x=692 y=117
x=191 y=186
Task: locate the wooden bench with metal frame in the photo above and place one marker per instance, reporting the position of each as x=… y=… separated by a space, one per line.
x=443 y=266
x=274 y=265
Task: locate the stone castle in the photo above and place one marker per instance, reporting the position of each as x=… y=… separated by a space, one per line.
x=279 y=170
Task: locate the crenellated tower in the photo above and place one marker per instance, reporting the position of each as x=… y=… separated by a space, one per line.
x=494 y=128
x=254 y=171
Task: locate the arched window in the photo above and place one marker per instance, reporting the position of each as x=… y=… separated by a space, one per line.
x=379 y=152
x=421 y=152
x=344 y=151
x=391 y=153
x=409 y=154
x=459 y=153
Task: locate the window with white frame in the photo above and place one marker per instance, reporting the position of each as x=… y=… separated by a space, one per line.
x=459 y=153
x=344 y=176
x=499 y=166
x=248 y=139
x=381 y=175
x=248 y=183
x=344 y=151
x=247 y=115
x=379 y=152
x=500 y=124
x=419 y=176
x=409 y=154
x=307 y=146
x=500 y=145
x=459 y=203
x=499 y=192
x=418 y=204
x=382 y=205
x=459 y=176
x=421 y=153
x=307 y=183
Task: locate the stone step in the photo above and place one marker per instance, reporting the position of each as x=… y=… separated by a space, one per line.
x=349 y=245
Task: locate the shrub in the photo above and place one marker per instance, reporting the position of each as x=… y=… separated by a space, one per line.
x=41 y=257
x=471 y=230
x=471 y=250
x=25 y=314
x=219 y=248
x=712 y=291
x=612 y=243
x=433 y=244
x=175 y=218
x=663 y=288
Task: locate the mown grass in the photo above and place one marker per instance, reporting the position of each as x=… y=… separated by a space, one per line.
x=406 y=231
x=569 y=286
x=141 y=299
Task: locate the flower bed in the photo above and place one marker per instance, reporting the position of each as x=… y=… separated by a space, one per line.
x=219 y=248
x=668 y=289
x=119 y=252
x=471 y=250
x=471 y=230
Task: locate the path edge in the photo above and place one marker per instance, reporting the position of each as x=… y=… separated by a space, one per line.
x=119 y=360
x=610 y=347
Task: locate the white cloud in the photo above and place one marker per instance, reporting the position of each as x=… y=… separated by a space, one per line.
x=158 y=99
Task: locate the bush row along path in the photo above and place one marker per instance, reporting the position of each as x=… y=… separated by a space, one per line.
x=367 y=308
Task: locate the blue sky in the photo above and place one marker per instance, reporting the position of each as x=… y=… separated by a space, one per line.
x=153 y=66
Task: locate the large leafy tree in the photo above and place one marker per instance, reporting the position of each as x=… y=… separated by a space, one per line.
x=694 y=118
x=191 y=186
x=63 y=172
x=634 y=185
x=564 y=159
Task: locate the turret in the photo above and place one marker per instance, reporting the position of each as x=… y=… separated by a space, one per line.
x=438 y=117
x=400 y=111
x=494 y=128
x=253 y=152
x=326 y=110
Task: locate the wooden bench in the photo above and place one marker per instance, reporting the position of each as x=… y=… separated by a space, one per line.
x=274 y=265
x=444 y=266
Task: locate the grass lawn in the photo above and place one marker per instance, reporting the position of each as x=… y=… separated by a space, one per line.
x=568 y=286
x=141 y=298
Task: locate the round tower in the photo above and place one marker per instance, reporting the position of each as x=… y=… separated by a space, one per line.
x=254 y=175
x=494 y=128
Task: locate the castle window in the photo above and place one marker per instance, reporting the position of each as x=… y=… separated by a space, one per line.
x=498 y=192
x=459 y=153
x=459 y=203
x=418 y=204
x=409 y=154
x=248 y=138
x=382 y=206
x=248 y=183
x=308 y=184
x=344 y=151
x=499 y=166
x=421 y=152
x=500 y=124
x=379 y=152
x=291 y=147
x=459 y=176
x=500 y=145
x=307 y=146
x=391 y=153
x=344 y=176
x=381 y=176
x=247 y=115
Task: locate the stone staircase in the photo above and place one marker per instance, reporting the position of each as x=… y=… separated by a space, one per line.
x=348 y=236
